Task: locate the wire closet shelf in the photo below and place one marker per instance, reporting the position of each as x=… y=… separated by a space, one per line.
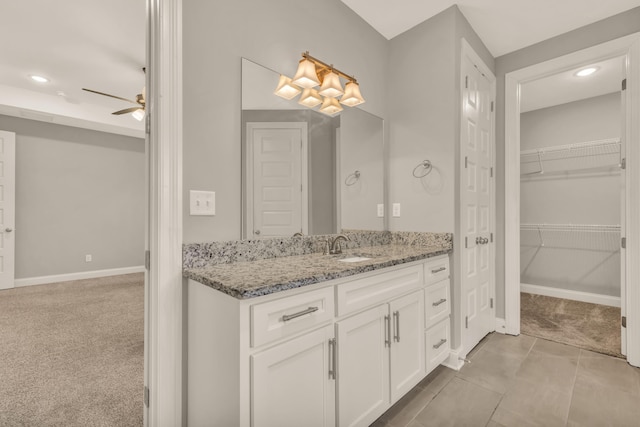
x=576 y=236
x=603 y=153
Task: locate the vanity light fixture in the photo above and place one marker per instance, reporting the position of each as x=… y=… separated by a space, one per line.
x=587 y=71
x=286 y=89
x=310 y=98
x=312 y=73
x=330 y=106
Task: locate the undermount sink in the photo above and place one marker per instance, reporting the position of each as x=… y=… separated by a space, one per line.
x=354 y=259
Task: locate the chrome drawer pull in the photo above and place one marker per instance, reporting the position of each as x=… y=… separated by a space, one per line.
x=442 y=341
x=287 y=317
x=437 y=303
x=438 y=270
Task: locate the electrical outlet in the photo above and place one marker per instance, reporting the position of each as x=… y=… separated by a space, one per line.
x=396 y=209
x=88 y=258
x=380 y=210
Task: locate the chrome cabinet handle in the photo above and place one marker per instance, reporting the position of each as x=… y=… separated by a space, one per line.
x=387 y=331
x=8 y=230
x=396 y=322
x=332 y=358
x=437 y=303
x=256 y=232
x=442 y=341
x=438 y=270
x=287 y=317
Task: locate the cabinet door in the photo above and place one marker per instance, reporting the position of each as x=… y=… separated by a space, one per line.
x=363 y=367
x=291 y=384
x=407 y=344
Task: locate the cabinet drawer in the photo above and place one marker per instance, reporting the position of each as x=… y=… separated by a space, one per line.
x=436 y=269
x=437 y=304
x=277 y=319
x=362 y=293
x=437 y=341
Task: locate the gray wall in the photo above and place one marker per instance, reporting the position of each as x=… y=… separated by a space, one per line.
x=78 y=192
x=599 y=32
x=362 y=149
x=567 y=193
x=274 y=33
x=424 y=121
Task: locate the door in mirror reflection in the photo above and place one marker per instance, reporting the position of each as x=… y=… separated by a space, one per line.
x=276 y=188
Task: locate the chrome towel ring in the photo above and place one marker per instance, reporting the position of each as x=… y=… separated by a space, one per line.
x=426 y=166
x=352 y=178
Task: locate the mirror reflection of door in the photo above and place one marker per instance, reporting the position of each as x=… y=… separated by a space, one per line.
x=276 y=179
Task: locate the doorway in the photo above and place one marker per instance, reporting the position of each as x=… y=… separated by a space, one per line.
x=629 y=49
x=571 y=207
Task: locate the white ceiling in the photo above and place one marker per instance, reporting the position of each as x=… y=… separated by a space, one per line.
x=101 y=45
x=503 y=25
x=95 y=44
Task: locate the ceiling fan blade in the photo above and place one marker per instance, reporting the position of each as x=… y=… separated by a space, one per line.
x=112 y=96
x=127 y=110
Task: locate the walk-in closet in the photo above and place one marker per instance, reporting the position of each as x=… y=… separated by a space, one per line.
x=571 y=204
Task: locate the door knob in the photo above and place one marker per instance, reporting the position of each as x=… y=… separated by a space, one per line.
x=8 y=230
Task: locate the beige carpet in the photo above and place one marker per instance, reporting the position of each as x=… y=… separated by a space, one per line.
x=589 y=326
x=71 y=354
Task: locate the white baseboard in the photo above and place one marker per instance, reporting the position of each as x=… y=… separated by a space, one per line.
x=454 y=361
x=501 y=325
x=42 y=280
x=572 y=295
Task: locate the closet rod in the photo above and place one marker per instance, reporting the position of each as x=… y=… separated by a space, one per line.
x=571 y=227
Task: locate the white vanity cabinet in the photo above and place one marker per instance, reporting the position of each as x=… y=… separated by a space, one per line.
x=340 y=352
x=380 y=358
x=292 y=383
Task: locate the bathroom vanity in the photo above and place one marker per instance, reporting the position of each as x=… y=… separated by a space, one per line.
x=315 y=340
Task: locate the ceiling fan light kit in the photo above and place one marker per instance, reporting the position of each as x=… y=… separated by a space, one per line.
x=138 y=111
x=312 y=73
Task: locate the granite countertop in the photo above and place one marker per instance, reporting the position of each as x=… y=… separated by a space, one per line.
x=251 y=279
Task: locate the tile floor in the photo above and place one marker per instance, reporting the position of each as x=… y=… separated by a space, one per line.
x=524 y=381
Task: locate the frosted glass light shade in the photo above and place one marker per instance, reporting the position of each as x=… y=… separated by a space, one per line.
x=330 y=107
x=331 y=85
x=352 y=96
x=310 y=98
x=306 y=76
x=286 y=89
x=138 y=114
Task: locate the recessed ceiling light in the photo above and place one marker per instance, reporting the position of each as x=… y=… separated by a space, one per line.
x=39 y=79
x=587 y=71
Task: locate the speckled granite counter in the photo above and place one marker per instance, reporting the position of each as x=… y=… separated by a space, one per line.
x=250 y=279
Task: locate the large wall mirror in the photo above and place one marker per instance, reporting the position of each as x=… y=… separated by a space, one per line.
x=303 y=171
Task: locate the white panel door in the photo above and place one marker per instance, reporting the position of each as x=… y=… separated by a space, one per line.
x=7 y=208
x=477 y=205
x=277 y=206
x=363 y=367
x=292 y=385
x=407 y=346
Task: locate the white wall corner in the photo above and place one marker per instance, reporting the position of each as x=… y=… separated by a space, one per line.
x=455 y=360
x=501 y=325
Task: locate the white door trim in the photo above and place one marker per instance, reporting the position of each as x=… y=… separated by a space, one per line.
x=163 y=340
x=8 y=203
x=248 y=168
x=467 y=50
x=628 y=46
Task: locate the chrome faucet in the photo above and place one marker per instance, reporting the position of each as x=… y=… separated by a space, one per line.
x=336 y=247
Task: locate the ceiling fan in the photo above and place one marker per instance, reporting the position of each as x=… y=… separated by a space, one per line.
x=137 y=112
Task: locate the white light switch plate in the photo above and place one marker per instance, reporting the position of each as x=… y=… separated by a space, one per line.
x=396 y=209
x=380 y=210
x=202 y=202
